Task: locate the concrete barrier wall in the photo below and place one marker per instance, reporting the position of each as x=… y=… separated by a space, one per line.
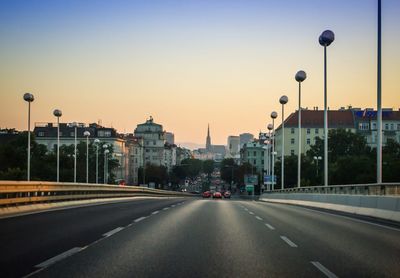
x=385 y=207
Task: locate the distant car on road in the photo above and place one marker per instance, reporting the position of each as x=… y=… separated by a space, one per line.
x=227 y=194
x=206 y=194
x=217 y=195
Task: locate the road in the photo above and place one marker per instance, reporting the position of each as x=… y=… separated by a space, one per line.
x=196 y=238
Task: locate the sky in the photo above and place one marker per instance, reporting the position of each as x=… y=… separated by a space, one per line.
x=190 y=63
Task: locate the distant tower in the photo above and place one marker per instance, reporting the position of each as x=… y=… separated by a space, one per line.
x=208 y=141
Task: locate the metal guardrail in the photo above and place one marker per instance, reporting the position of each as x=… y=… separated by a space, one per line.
x=21 y=192
x=349 y=189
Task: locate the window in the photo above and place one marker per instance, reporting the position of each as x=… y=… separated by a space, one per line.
x=107 y=133
x=147 y=150
x=41 y=133
x=248 y=153
x=100 y=133
x=255 y=153
x=154 y=142
x=72 y=134
x=391 y=126
x=292 y=130
x=61 y=134
x=374 y=126
x=363 y=126
x=398 y=126
x=262 y=153
x=291 y=152
x=292 y=141
x=154 y=151
x=262 y=161
x=308 y=131
x=316 y=131
x=308 y=141
x=255 y=162
x=387 y=126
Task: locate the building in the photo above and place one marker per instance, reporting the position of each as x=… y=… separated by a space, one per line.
x=254 y=153
x=245 y=138
x=135 y=158
x=312 y=126
x=352 y=119
x=366 y=124
x=233 y=145
x=46 y=134
x=170 y=138
x=215 y=152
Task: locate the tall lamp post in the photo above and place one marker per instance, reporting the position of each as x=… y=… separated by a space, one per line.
x=75 y=151
x=270 y=127
x=283 y=100
x=97 y=142
x=379 y=99
x=274 y=115
x=28 y=97
x=87 y=134
x=58 y=114
x=300 y=77
x=106 y=151
x=317 y=158
x=325 y=39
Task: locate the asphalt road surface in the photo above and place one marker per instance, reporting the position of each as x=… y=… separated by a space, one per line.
x=196 y=238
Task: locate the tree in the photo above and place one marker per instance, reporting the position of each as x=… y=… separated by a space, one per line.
x=208 y=166
x=391 y=161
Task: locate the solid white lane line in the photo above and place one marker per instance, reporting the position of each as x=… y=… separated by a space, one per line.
x=269 y=226
x=172 y=206
x=155 y=212
x=110 y=233
x=59 y=257
x=165 y=208
x=259 y=218
x=324 y=270
x=246 y=209
x=250 y=212
x=288 y=241
x=139 y=219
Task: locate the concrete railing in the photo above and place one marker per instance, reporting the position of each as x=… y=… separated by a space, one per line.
x=22 y=193
x=375 y=200
x=348 y=189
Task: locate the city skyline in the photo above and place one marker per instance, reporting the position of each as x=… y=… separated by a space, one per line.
x=190 y=63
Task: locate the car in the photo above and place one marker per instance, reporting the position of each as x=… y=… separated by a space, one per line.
x=227 y=194
x=217 y=195
x=206 y=194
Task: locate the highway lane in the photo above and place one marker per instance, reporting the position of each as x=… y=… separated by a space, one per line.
x=28 y=240
x=228 y=238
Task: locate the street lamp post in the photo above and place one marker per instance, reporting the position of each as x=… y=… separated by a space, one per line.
x=28 y=97
x=283 y=100
x=300 y=77
x=274 y=115
x=97 y=142
x=317 y=158
x=379 y=99
x=106 y=151
x=75 y=151
x=87 y=134
x=325 y=39
x=58 y=114
x=270 y=127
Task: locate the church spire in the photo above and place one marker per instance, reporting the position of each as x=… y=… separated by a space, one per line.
x=208 y=140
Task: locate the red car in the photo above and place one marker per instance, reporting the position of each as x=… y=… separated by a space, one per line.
x=206 y=194
x=217 y=195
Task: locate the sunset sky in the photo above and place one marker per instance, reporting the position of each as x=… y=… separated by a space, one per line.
x=190 y=63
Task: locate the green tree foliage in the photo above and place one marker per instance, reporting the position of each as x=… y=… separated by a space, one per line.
x=154 y=173
x=13 y=161
x=391 y=162
x=208 y=166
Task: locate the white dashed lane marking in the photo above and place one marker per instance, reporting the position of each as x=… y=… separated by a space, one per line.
x=165 y=208
x=269 y=226
x=324 y=270
x=59 y=257
x=110 y=233
x=288 y=241
x=259 y=218
x=155 y=212
x=139 y=219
